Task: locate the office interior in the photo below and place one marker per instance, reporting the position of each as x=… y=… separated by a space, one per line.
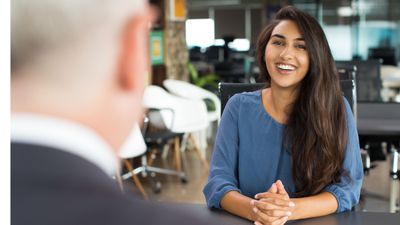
x=196 y=44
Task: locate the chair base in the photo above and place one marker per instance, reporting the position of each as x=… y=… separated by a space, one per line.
x=145 y=170
x=149 y=169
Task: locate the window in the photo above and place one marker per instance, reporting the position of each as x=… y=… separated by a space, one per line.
x=200 y=32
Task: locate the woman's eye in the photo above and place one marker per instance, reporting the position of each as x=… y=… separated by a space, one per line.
x=279 y=43
x=301 y=47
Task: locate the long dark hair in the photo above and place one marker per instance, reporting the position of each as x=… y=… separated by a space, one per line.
x=316 y=130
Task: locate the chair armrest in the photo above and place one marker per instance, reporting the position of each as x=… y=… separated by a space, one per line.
x=150 y=110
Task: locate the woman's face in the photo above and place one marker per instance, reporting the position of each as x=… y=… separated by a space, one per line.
x=286 y=56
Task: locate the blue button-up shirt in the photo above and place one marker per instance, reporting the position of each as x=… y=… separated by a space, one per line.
x=249 y=155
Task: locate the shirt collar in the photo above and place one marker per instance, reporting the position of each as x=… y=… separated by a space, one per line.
x=66 y=136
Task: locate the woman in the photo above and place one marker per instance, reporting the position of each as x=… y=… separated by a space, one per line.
x=288 y=151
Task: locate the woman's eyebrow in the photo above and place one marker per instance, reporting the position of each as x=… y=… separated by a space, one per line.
x=278 y=36
x=283 y=37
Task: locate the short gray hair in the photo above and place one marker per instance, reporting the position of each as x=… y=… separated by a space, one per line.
x=40 y=25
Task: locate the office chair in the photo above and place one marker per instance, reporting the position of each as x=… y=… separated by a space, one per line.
x=150 y=140
x=368 y=79
x=369 y=86
x=133 y=147
x=187 y=90
x=190 y=91
x=348 y=85
x=170 y=118
x=189 y=116
x=227 y=90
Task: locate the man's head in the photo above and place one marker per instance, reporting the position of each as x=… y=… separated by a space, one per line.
x=82 y=60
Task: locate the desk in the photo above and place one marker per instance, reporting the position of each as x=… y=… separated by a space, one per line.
x=353 y=218
x=379 y=128
x=381 y=122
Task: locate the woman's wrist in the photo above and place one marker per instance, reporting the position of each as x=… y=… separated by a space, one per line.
x=295 y=210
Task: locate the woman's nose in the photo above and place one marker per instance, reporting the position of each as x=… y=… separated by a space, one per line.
x=287 y=53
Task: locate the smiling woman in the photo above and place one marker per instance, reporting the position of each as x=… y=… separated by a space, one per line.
x=289 y=151
x=286 y=54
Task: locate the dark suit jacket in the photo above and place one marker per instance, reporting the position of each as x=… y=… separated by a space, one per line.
x=53 y=187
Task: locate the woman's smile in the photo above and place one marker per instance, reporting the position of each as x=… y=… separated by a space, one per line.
x=285 y=68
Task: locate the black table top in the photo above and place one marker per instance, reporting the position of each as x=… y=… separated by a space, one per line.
x=379 y=120
x=350 y=218
x=378 y=127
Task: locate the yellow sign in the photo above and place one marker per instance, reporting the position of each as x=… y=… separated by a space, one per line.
x=178 y=9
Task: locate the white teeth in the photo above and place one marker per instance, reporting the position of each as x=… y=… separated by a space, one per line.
x=285 y=67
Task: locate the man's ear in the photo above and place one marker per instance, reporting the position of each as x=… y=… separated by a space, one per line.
x=134 y=59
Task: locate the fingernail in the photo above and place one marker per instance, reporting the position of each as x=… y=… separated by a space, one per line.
x=288 y=213
x=291 y=204
x=252 y=202
x=285 y=218
x=255 y=210
x=256 y=196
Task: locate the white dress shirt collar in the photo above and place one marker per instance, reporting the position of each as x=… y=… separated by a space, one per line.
x=66 y=136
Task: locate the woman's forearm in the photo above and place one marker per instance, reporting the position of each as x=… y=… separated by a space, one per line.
x=318 y=205
x=238 y=204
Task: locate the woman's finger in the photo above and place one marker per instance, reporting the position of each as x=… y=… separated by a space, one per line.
x=280 y=187
x=278 y=213
x=264 y=218
x=273 y=188
x=267 y=195
x=278 y=201
x=269 y=206
x=280 y=221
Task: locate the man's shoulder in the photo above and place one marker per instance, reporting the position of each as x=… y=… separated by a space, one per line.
x=41 y=160
x=49 y=185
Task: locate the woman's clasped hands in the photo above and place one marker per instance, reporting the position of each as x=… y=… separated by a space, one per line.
x=273 y=207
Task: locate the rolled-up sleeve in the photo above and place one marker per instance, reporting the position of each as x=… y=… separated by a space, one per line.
x=347 y=190
x=224 y=162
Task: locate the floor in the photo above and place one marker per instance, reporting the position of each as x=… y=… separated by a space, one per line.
x=376 y=188
x=375 y=197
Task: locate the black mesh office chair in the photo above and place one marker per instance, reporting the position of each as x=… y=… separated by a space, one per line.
x=368 y=79
x=157 y=136
x=348 y=85
x=227 y=90
x=369 y=86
